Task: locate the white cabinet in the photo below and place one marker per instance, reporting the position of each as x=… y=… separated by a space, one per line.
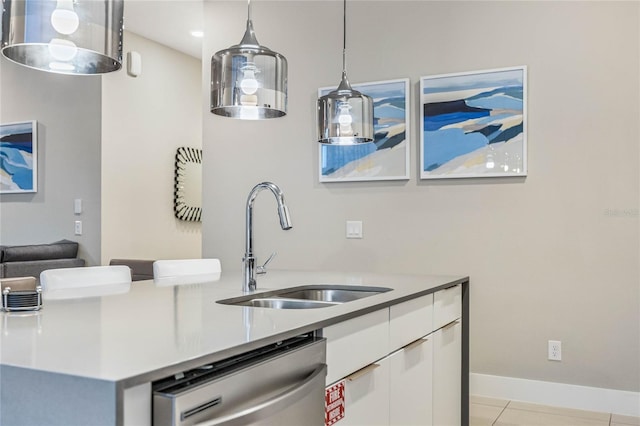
x=402 y=365
x=410 y=388
x=409 y=321
x=447 y=306
x=367 y=396
x=355 y=343
x=447 y=356
x=447 y=371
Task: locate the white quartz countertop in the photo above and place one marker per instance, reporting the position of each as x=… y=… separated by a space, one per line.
x=156 y=329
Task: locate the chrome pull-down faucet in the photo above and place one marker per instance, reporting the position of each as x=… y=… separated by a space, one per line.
x=249 y=261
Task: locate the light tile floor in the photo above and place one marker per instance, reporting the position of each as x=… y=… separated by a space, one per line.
x=485 y=411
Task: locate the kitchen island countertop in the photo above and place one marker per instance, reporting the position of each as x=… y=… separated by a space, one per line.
x=153 y=329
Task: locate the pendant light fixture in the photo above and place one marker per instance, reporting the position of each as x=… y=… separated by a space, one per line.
x=345 y=116
x=63 y=36
x=249 y=81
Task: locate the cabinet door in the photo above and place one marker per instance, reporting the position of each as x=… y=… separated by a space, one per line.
x=367 y=396
x=447 y=372
x=410 y=378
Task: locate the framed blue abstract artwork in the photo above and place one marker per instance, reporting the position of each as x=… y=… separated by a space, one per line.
x=387 y=157
x=474 y=124
x=18 y=157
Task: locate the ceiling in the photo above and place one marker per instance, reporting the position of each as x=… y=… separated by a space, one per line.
x=168 y=22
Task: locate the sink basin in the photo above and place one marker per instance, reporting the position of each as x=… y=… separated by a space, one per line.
x=329 y=294
x=282 y=303
x=305 y=297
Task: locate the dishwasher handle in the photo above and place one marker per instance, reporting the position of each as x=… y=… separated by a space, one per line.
x=267 y=408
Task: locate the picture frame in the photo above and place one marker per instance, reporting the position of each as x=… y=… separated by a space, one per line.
x=474 y=124
x=19 y=157
x=388 y=157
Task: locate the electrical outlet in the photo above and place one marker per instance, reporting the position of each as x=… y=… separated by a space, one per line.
x=555 y=350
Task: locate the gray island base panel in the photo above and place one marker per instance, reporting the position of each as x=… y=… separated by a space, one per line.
x=31 y=397
x=92 y=360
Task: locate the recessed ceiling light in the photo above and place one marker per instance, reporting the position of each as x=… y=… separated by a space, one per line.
x=197 y=33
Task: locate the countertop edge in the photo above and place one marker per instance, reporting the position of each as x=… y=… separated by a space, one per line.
x=156 y=374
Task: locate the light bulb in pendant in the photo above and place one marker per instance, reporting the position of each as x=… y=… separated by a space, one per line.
x=249 y=84
x=62 y=50
x=64 y=19
x=345 y=119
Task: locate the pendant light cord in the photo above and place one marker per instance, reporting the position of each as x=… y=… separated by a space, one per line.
x=248 y=10
x=344 y=38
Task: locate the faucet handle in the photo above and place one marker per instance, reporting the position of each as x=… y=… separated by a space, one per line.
x=263 y=269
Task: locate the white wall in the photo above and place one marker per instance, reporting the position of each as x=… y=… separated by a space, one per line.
x=67 y=109
x=553 y=256
x=110 y=141
x=144 y=120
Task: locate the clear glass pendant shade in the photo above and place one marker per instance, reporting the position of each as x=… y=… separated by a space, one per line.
x=249 y=81
x=344 y=115
x=64 y=36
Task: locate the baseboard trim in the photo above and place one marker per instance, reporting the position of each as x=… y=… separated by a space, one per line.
x=556 y=394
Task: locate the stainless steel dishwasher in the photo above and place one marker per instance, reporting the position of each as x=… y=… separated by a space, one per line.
x=279 y=384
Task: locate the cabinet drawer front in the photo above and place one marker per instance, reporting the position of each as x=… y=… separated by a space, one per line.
x=447 y=306
x=355 y=343
x=409 y=321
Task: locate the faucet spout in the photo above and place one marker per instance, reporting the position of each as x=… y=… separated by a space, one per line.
x=285 y=219
x=249 y=260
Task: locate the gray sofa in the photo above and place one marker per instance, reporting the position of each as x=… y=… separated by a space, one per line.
x=30 y=260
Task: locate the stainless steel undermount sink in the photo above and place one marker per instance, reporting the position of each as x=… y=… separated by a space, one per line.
x=281 y=303
x=330 y=294
x=305 y=297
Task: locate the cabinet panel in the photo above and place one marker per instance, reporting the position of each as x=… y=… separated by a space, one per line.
x=447 y=372
x=420 y=382
x=356 y=343
x=367 y=396
x=447 y=306
x=137 y=401
x=408 y=321
x=410 y=384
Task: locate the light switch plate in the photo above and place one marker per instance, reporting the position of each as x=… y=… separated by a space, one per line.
x=354 y=229
x=78 y=227
x=77 y=206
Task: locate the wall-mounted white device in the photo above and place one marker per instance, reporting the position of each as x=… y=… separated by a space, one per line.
x=134 y=64
x=354 y=229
